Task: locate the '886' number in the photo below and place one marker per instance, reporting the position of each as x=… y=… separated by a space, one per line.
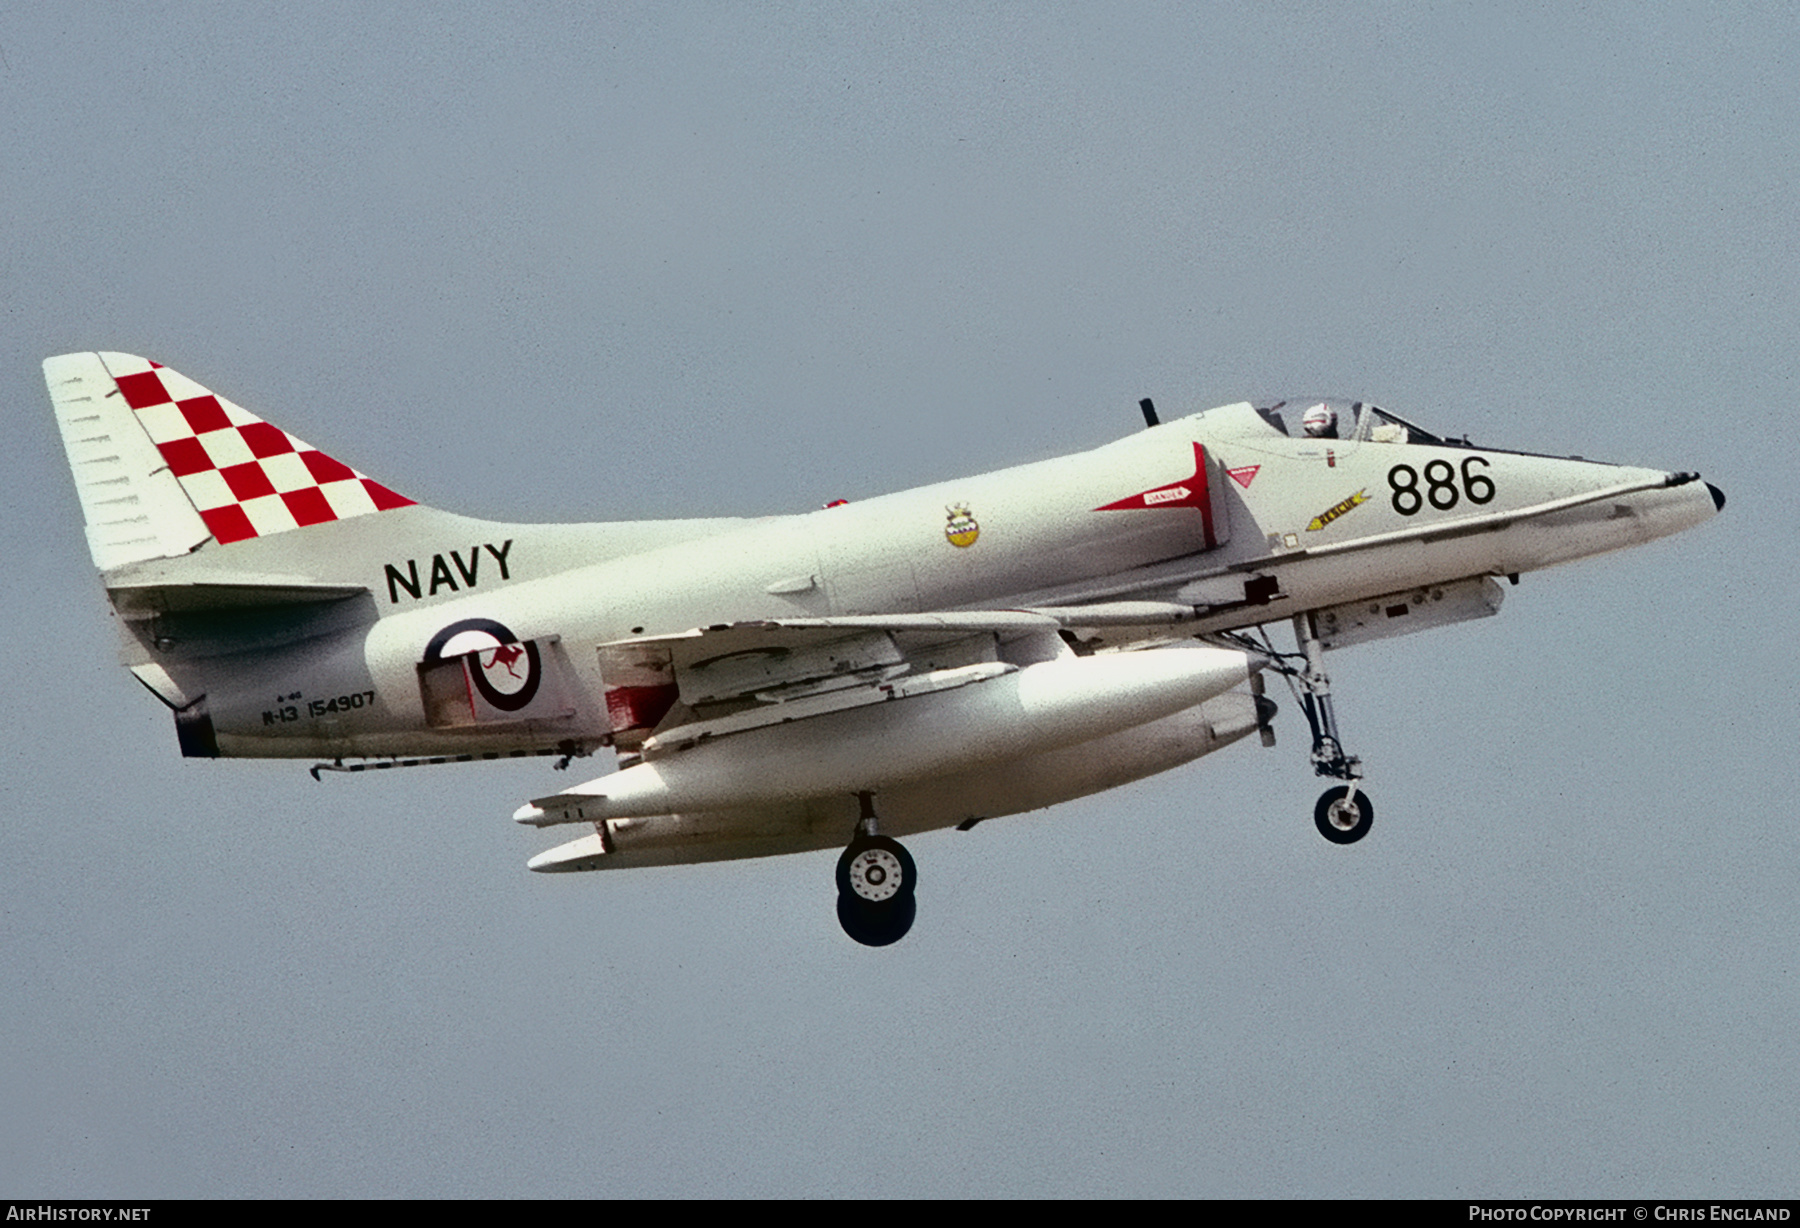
x=1441 y=490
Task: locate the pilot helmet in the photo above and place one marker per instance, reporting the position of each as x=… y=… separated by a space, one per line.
x=1321 y=421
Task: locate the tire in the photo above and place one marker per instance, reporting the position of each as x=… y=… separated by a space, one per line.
x=877 y=925
x=877 y=871
x=1342 y=824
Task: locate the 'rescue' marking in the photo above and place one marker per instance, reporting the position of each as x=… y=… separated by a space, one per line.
x=443 y=574
x=1337 y=509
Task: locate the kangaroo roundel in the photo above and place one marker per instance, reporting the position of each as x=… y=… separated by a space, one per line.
x=504 y=672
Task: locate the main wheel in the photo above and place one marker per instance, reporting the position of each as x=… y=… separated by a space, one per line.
x=1341 y=821
x=876 y=870
x=876 y=925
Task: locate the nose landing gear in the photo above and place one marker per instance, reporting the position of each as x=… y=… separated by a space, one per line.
x=875 y=880
x=1344 y=812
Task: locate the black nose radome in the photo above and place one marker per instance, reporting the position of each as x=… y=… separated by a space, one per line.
x=1718 y=497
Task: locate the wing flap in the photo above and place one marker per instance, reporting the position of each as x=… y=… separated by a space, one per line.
x=664 y=690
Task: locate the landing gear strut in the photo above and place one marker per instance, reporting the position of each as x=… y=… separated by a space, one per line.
x=875 y=880
x=1328 y=755
x=1344 y=813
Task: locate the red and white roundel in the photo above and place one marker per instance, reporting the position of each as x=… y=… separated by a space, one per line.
x=503 y=672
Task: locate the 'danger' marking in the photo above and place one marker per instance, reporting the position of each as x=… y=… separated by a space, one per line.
x=1189 y=492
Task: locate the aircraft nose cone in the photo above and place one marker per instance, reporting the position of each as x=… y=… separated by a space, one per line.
x=1718 y=497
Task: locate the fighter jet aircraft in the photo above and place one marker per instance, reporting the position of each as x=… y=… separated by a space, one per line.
x=926 y=659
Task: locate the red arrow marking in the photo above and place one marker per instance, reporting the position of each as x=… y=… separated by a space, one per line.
x=1188 y=492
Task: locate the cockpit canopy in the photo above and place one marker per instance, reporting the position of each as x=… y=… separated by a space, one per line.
x=1338 y=418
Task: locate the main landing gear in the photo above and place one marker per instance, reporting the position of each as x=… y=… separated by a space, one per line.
x=875 y=880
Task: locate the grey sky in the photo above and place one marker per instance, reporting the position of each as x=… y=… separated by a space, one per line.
x=609 y=263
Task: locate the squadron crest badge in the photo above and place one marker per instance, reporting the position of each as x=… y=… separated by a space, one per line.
x=960 y=528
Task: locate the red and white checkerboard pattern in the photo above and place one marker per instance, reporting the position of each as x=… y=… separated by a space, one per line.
x=246 y=477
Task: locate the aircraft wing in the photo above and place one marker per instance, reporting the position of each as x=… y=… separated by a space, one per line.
x=667 y=690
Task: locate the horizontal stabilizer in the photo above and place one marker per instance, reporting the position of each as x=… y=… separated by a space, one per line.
x=130 y=599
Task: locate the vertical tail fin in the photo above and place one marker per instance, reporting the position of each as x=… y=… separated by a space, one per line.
x=163 y=466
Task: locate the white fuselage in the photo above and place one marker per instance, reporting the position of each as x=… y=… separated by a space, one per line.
x=967 y=649
x=1036 y=540
x=1218 y=517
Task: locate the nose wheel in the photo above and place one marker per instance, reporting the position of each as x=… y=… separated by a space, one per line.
x=1344 y=814
x=875 y=881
